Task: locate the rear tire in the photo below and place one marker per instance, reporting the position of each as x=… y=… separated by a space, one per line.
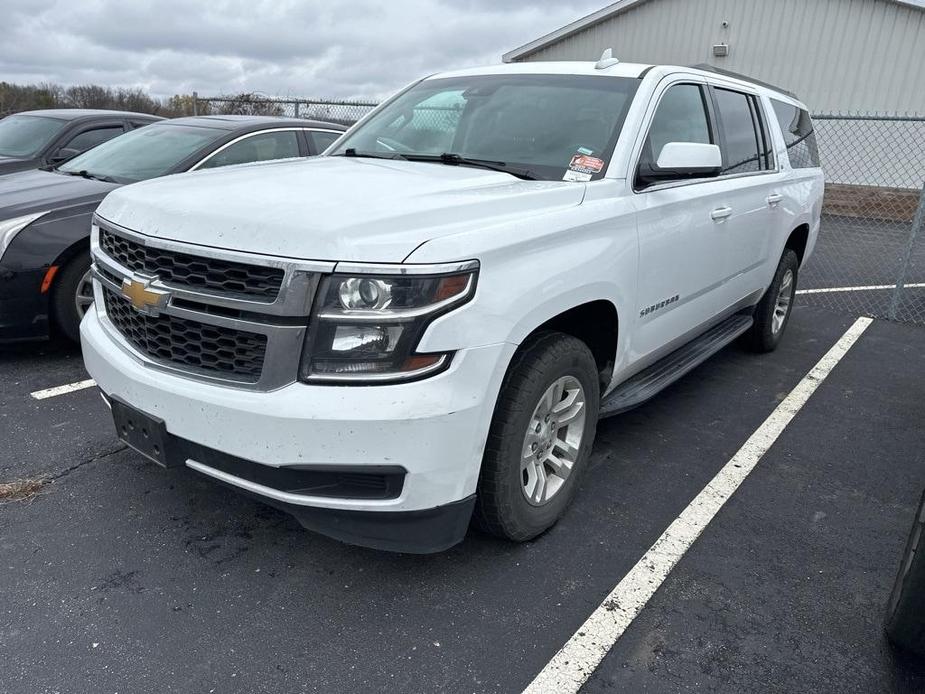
x=540 y=439
x=70 y=298
x=773 y=311
x=905 y=618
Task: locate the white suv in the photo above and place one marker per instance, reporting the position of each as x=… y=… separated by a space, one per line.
x=423 y=325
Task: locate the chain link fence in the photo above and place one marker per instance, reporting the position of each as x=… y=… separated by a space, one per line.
x=345 y=112
x=870 y=255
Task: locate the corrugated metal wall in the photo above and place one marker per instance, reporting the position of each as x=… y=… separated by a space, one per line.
x=837 y=55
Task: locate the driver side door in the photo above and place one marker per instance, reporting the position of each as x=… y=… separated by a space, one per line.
x=681 y=226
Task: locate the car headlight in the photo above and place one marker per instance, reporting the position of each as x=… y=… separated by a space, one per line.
x=366 y=327
x=10 y=227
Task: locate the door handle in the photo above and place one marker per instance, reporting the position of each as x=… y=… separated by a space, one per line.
x=774 y=198
x=720 y=213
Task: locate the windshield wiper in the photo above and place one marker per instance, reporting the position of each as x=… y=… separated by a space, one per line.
x=351 y=152
x=86 y=174
x=457 y=160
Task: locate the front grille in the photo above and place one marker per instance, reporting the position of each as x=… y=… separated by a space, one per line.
x=216 y=350
x=196 y=272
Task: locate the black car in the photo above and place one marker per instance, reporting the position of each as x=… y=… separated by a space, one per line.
x=32 y=139
x=45 y=216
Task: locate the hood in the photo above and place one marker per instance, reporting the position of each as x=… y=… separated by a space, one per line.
x=331 y=208
x=35 y=191
x=12 y=164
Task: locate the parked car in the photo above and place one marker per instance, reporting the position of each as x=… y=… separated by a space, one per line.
x=905 y=617
x=424 y=325
x=45 y=215
x=33 y=139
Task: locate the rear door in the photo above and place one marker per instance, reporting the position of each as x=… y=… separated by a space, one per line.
x=750 y=177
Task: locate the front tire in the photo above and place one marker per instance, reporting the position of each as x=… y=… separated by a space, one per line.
x=73 y=296
x=773 y=311
x=905 y=618
x=540 y=439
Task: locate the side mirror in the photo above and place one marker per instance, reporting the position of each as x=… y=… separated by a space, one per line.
x=63 y=154
x=681 y=160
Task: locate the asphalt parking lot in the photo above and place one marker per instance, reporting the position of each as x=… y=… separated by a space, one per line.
x=120 y=576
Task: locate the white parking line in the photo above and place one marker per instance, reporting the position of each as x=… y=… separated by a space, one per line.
x=61 y=390
x=864 y=288
x=583 y=652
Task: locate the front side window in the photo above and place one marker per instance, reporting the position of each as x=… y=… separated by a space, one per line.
x=144 y=153
x=799 y=136
x=681 y=116
x=742 y=152
x=260 y=147
x=25 y=136
x=543 y=126
x=91 y=138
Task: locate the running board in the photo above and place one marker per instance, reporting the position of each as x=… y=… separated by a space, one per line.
x=651 y=381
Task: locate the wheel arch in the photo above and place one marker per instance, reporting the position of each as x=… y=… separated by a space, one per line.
x=596 y=323
x=797 y=241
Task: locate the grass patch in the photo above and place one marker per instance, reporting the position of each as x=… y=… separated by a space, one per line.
x=20 y=490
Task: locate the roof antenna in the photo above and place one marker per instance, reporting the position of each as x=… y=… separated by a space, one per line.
x=607 y=60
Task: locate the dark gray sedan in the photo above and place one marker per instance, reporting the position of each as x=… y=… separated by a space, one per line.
x=32 y=139
x=45 y=215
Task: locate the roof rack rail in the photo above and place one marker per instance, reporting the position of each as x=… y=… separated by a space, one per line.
x=706 y=67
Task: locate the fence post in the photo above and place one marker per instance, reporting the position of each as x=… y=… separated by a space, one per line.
x=918 y=221
x=195 y=104
x=297 y=104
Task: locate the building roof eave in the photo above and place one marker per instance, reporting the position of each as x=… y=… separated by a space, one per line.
x=607 y=13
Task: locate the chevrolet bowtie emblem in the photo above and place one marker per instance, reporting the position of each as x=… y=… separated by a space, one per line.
x=143 y=298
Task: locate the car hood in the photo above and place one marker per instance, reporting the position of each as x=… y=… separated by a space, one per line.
x=36 y=191
x=331 y=208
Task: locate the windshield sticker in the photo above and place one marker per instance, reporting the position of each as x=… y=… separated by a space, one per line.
x=576 y=176
x=582 y=163
x=585 y=150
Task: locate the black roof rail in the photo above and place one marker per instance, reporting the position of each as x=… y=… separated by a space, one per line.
x=706 y=67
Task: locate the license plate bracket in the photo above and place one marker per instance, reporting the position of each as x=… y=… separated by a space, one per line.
x=144 y=433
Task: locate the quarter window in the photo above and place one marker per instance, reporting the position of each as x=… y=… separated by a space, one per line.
x=799 y=135
x=262 y=147
x=322 y=140
x=742 y=152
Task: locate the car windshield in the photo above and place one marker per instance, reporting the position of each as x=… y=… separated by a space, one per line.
x=23 y=136
x=546 y=127
x=151 y=151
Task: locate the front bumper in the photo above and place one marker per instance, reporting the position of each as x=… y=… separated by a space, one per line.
x=23 y=308
x=434 y=429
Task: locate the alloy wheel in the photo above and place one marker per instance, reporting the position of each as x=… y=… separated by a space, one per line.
x=553 y=440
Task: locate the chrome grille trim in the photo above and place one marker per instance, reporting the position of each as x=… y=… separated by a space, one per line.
x=284 y=321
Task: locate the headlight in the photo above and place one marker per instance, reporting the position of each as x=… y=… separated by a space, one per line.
x=10 y=227
x=366 y=327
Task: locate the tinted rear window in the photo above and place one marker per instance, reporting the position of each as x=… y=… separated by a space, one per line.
x=799 y=136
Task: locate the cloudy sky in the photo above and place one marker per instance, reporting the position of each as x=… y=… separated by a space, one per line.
x=311 y=48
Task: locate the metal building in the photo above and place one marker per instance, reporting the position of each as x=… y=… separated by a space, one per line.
x=837 y=55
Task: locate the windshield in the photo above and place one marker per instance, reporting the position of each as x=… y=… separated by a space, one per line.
x=144 y=153
x=550 y=127
x=25 y=136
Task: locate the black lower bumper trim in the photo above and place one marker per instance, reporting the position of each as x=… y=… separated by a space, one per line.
x=415 y=532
